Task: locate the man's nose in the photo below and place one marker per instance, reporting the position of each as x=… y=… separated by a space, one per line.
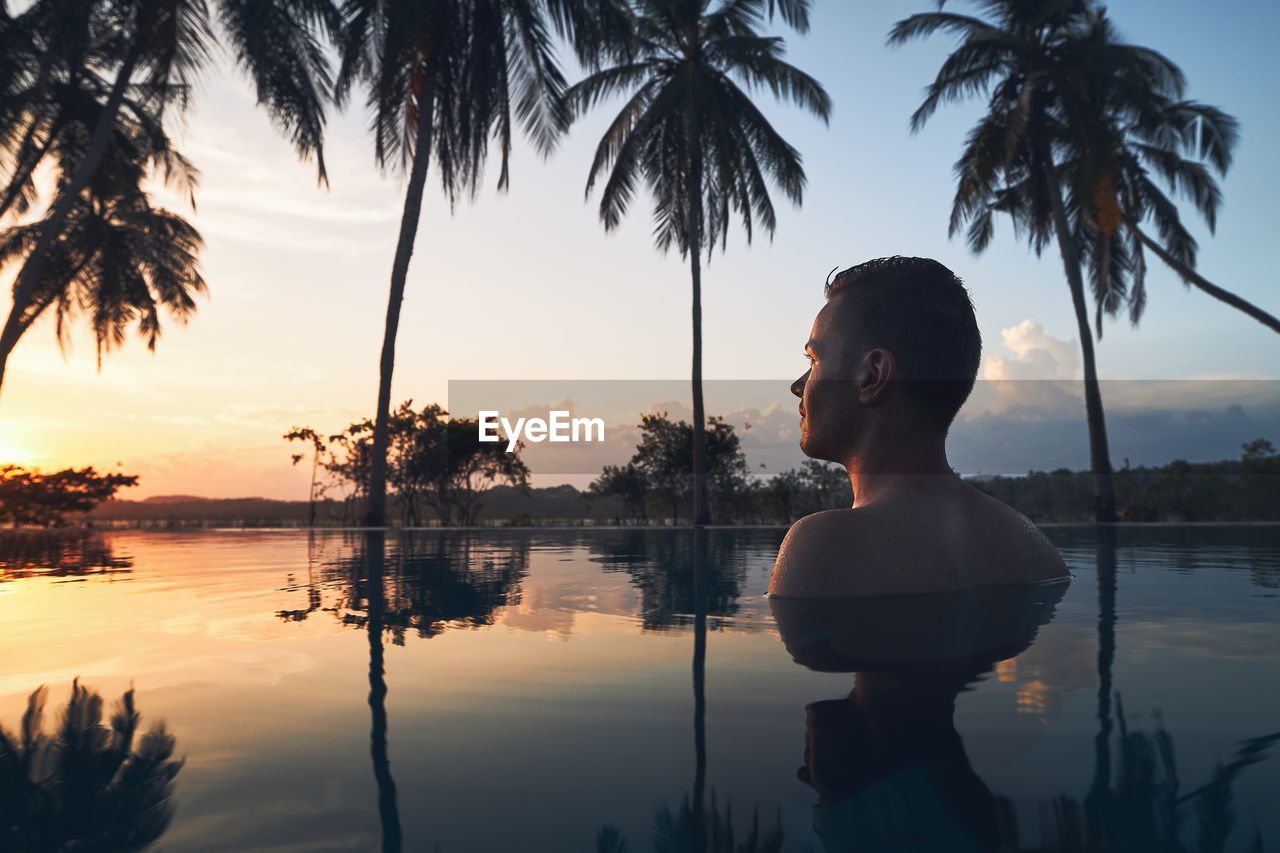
x=797 y=387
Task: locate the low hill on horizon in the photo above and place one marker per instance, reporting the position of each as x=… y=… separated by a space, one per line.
x=502 y=502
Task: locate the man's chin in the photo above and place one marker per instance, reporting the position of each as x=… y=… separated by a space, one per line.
x=810 y=448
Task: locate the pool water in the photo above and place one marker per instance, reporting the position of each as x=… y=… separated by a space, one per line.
x=610 y=690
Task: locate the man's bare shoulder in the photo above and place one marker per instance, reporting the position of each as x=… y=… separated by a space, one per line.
x=804 y=564
x=958 y=540
x=1017 y=542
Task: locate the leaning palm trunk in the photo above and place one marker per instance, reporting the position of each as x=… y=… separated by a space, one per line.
x=1104 y=498
x=28 y=282
x=376 y=508
x=1190 y=276
x=701 y=506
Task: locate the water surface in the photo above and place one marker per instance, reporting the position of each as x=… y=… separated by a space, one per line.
x=579 y=690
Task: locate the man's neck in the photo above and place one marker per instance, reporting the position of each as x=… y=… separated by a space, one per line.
x=893 y=462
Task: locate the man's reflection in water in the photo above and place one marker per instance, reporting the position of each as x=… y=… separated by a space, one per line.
x=887 y=763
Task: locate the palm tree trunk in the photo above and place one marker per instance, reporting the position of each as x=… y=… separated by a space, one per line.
x=376 y=509
x=699 y=684
x=701 y=506
x=1100 y=789
x=24 y=289
x=388 y=810
x=1190 y=276
x=1104 y=497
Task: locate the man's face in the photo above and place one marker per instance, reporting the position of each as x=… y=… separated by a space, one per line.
x=828 y=391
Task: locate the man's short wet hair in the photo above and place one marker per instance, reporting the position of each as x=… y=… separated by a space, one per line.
x=921 y=312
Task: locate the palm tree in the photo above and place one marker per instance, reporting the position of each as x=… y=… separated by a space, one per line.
x=91 y=784
x=30 y=44
x=119 y=259
x=690 y=131
x=442 y=76
x=162 y=42
x=1023 y=56
x=1132 y=128
x=89 y=69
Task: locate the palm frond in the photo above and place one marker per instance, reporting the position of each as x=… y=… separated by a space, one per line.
x=280 y=44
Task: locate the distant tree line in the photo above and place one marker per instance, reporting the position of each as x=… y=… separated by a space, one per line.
x=1247 y=489
x=655 y=485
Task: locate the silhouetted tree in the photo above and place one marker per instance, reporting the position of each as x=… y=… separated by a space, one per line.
x=43 y=500
x=91 y=77
x=1028 y=56
x=443 y=76
x=444 y=461
x=662 y=466
x=691 y=133
x=627 y=482
x=812 y=487
x=434 y=461
x=88 y=786
x=1130 y=129
x=319 y=452
x=119 y=259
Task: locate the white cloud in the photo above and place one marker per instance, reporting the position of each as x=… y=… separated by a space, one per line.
x=1036 y=377
x=1036 y=354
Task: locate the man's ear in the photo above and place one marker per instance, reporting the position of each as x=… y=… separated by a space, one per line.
x=879 y=368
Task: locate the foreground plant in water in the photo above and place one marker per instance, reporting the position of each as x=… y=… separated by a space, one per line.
x=89 y=785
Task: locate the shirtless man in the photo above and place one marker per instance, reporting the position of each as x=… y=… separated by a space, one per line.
x=893 y=355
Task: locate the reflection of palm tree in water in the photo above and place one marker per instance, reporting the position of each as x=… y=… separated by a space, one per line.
x=89 y=786
x=1142 y=808
x=699 y=679
x=435 y=582
x=388 y=811
x=1106 y=569
x=696 y=827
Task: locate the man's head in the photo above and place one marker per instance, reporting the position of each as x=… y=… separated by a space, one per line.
x=896 y=344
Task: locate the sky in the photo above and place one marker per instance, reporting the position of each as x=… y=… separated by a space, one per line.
x=527 y=285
